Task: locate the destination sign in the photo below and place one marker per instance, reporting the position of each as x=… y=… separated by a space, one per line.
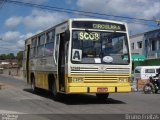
x=106 y=27
x=98 y=25
x=94 y=36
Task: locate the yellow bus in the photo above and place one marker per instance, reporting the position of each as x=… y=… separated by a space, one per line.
x=80 y=56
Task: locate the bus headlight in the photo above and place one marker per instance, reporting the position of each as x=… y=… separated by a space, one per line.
x=123 y=79
x=75 y=80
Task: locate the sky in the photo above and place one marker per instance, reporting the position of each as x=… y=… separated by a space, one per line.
x=19 y=22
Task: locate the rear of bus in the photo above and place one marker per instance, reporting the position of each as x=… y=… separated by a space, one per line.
x=144 y=72
x=99 y=60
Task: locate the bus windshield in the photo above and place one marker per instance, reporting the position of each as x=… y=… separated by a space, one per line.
x=97 y=47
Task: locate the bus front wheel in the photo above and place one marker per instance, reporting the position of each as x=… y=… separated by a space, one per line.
x=101 y=96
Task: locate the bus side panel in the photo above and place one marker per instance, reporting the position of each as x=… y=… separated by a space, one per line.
x=44 y=66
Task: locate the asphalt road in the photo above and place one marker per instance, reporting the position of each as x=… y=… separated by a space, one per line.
x=16 y=97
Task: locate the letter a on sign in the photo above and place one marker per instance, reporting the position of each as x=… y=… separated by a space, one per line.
x=76 y=55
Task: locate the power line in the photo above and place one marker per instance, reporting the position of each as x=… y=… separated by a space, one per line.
x=2 y=3
x=84 y=13
x=80 y=11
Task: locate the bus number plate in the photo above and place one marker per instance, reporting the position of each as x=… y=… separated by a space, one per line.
x=102 y=89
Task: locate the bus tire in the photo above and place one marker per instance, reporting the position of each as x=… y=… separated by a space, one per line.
x=54 y=91
x=101 y=96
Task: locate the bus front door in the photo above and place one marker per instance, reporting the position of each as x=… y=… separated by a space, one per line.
x=61 y=63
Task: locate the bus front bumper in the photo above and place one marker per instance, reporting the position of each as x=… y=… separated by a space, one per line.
x=98 y=88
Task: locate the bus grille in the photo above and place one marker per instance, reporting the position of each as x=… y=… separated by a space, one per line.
x=89 y=78
x=103 y=70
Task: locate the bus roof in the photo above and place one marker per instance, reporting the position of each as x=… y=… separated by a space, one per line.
x=76 y=19
x=93 y=19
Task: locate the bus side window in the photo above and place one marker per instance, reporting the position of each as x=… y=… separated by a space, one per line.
x=49 y=46
x=56 y=47
x=41 y=41
x=33 y=48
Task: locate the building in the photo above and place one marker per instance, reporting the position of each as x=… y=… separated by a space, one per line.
x=9 y=63
x=145 y=48
x=137 y=46
x=152 y=47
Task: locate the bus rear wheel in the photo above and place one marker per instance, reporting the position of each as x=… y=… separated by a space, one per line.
x=33 y=87
x=54 y=91
x=102 y=96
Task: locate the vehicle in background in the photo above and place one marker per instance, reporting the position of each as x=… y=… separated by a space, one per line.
x=144 y=72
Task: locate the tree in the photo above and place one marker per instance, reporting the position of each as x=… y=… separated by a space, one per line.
x=10 y=56
x=3 y=56
x=20 y=58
